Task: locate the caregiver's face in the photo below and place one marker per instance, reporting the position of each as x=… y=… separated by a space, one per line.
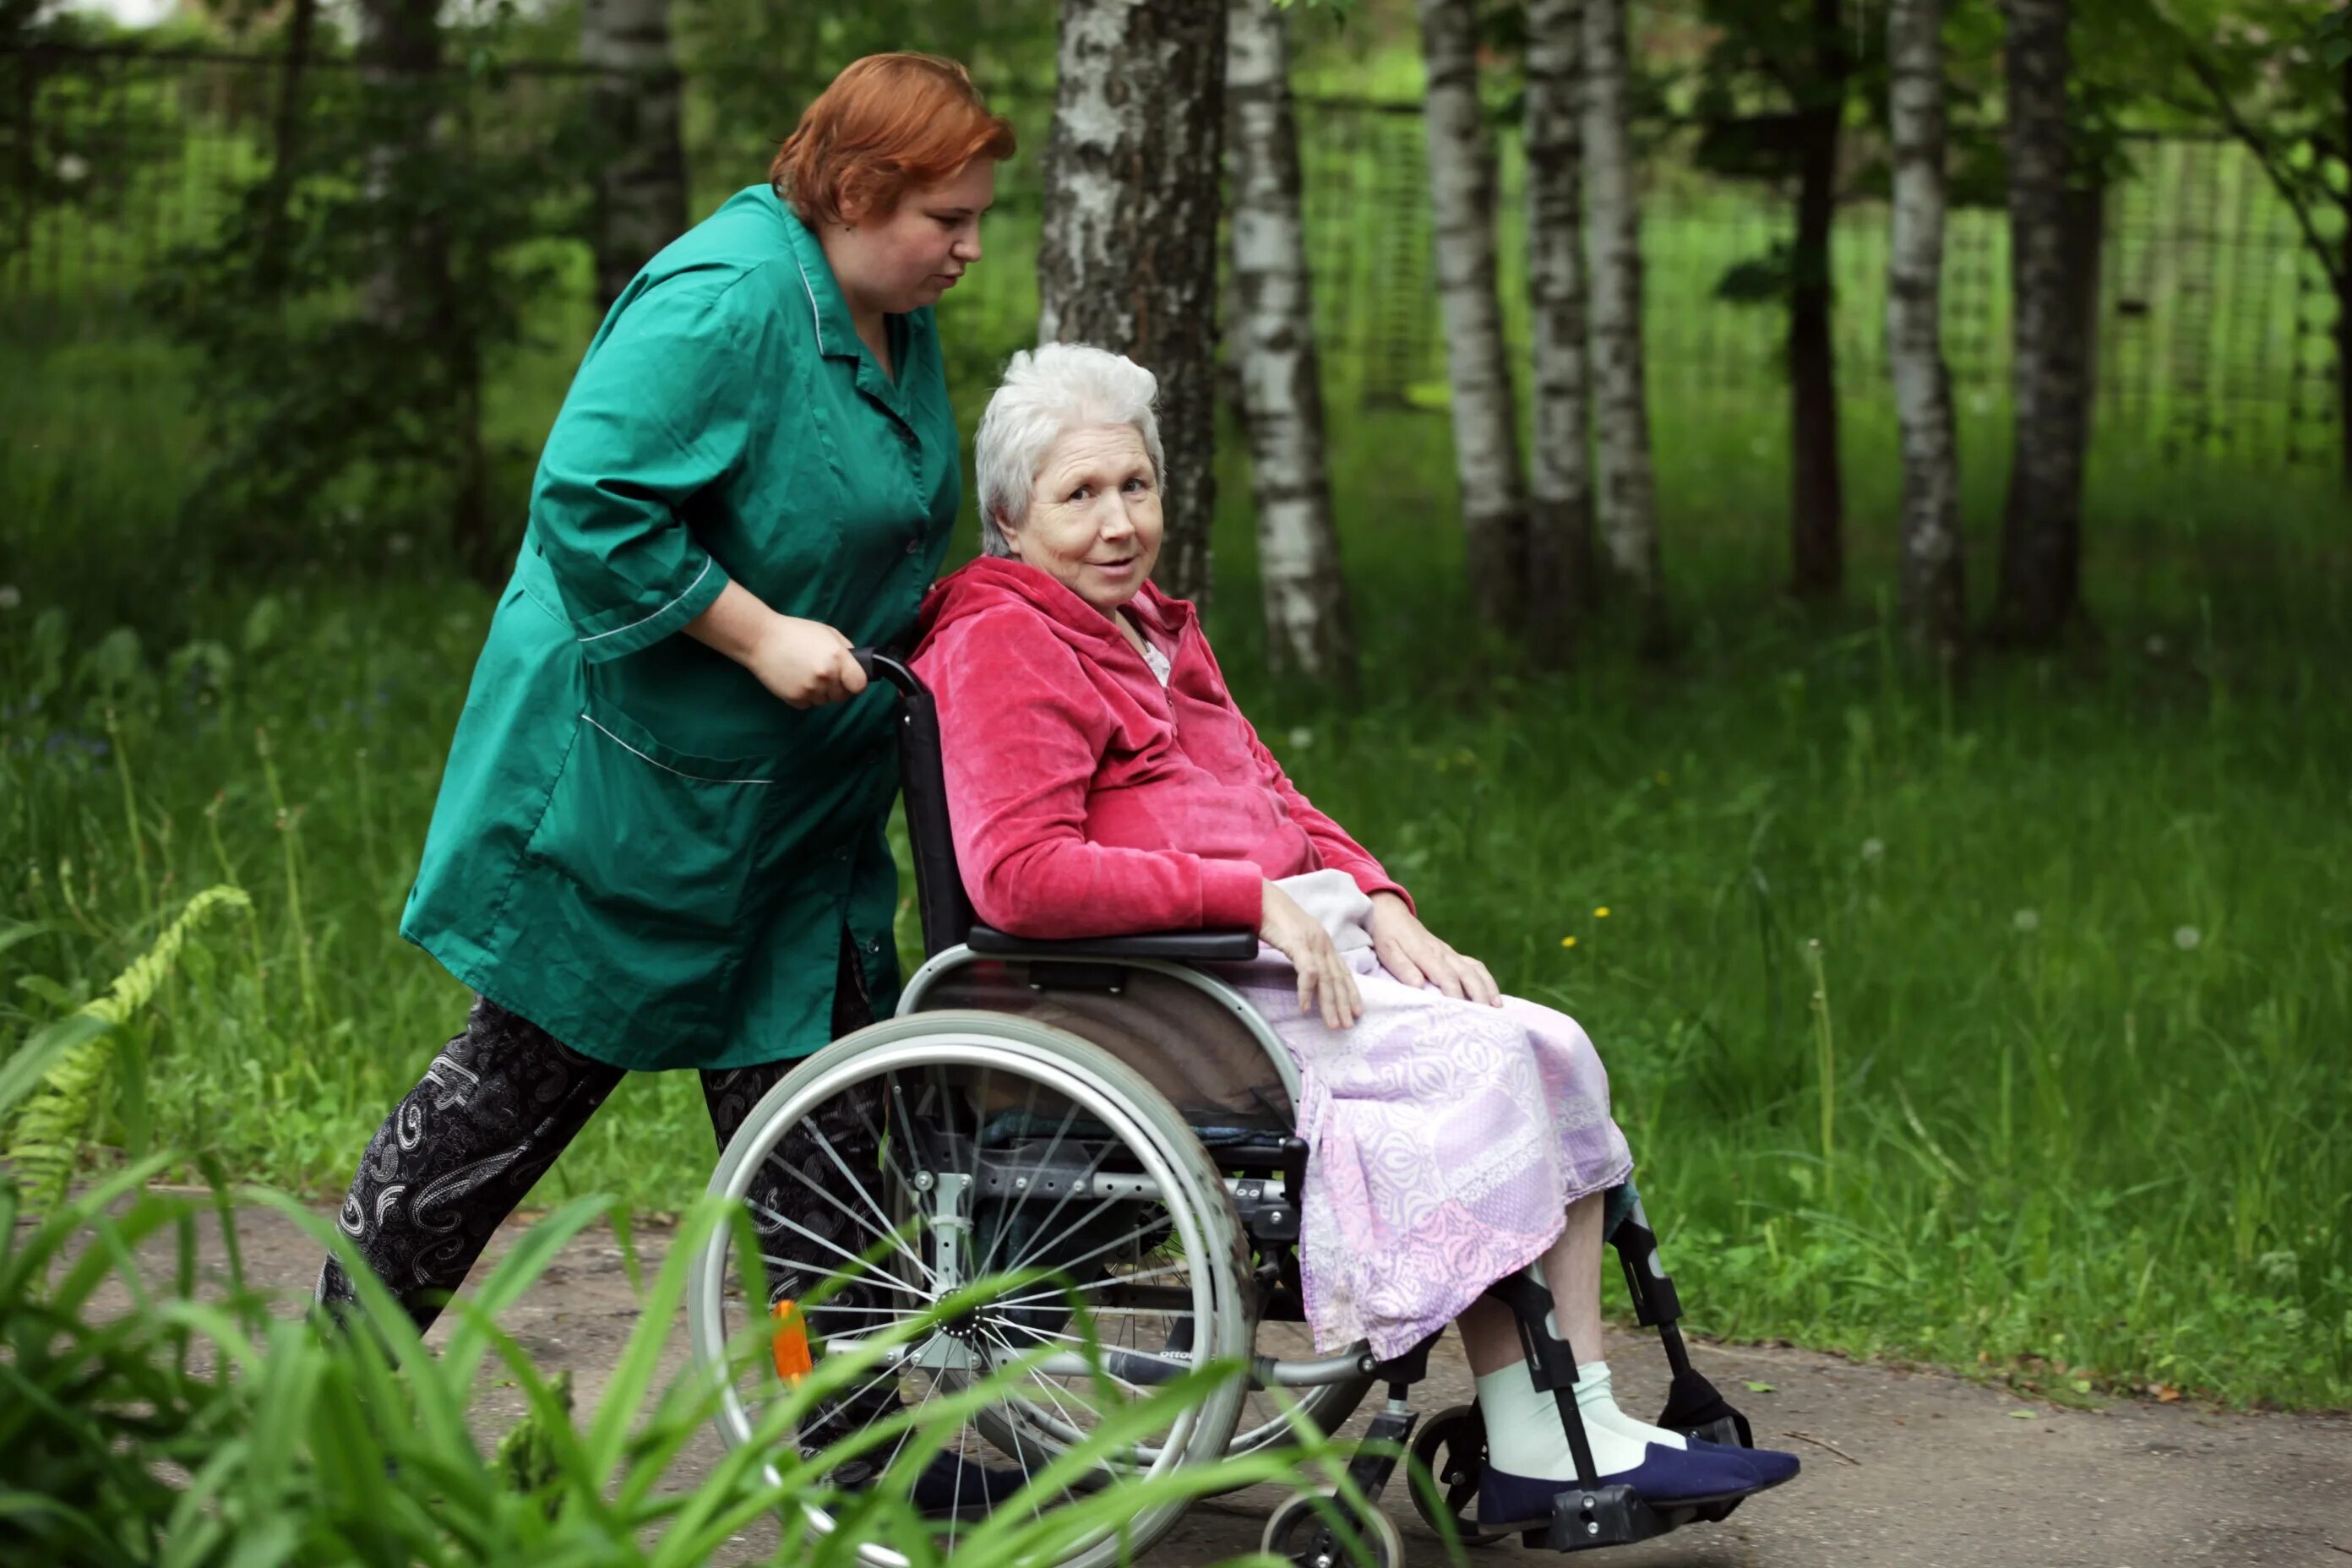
x=907 y=258
x=1094 y=515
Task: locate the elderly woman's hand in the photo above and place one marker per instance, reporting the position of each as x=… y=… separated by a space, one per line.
x=1409 y=951
x=1324 y=976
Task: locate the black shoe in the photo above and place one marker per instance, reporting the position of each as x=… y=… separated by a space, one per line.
x=948 y=1487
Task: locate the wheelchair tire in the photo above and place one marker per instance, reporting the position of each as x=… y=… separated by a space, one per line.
x=1198 y=1210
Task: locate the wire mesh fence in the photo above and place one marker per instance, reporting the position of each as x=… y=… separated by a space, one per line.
x=2213 y=336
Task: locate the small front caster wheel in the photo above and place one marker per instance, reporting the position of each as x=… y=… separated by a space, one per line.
x=1452 y=1445
x=1300 y=1533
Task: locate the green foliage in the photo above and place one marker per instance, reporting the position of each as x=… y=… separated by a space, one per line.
x=368 y=282
x=169 y=1421
x=2085 y=1129
x=74 y=1057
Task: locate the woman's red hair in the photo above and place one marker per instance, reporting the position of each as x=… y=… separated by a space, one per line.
x=888 y=124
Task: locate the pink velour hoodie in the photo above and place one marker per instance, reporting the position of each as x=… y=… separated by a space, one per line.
x=1089 y=801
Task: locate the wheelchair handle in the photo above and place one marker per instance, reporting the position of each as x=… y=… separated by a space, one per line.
x=890 y=668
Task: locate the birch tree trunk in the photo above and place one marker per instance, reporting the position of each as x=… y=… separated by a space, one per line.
x=286 y=137
x=1934 y=582
x=1626 y=500
x=1305 y=596
x=2340 y=275
x=1486 y=420
x=399 y=51
x=641 y=181
x=1128 y=256
x=1817 y=493
x=1561 y=583
x=411 y=294
x=2041 y=545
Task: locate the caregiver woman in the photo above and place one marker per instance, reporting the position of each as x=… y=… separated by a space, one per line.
x=659 y=840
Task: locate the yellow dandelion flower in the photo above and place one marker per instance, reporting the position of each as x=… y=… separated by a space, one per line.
x=1601 y=913
x=1568 y=942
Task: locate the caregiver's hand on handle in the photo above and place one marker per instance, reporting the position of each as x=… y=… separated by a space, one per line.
x=805 y=663
x=1409 y=951
x=1324 y=977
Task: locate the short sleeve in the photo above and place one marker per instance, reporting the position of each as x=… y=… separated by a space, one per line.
x=659 y=410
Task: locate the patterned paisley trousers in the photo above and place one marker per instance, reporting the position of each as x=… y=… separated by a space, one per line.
x=504 y=1099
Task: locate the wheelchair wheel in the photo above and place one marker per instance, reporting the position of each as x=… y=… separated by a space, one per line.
x=1300 y=1533
x=926 y=1152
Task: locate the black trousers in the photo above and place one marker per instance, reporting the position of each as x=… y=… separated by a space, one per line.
x=505 y=1098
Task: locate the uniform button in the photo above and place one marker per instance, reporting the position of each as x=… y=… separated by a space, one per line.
x=914 y=547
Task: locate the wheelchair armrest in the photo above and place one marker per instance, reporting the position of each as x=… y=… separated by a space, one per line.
x=1225 y=945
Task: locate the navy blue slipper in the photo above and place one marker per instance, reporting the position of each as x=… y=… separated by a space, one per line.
x=1771 y=1466
x=1664 y=1476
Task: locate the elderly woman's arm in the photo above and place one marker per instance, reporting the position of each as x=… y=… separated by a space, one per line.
x=1020 y=758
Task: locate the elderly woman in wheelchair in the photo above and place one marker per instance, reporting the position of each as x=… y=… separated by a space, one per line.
x=1198 y=1053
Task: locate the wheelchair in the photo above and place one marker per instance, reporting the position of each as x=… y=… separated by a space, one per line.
x=1108 y=1109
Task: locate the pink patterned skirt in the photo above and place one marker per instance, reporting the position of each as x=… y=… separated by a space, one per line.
x=1448 y=1140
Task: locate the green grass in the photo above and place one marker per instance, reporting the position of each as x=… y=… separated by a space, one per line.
x=2087 y=955
x=2060 y=1132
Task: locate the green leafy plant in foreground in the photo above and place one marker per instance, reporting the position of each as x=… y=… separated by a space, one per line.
x=153 y=1421
x=72 y=1057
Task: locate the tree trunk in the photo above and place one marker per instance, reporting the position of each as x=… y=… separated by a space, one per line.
x=2342 y=273
x=1560 y=578
x=2086 y=247
x=641 y=179
x=1485 y=418
x=286 y=138
x=1817 y=498
x=1934 y=580
x=1305 y=596
x=399 y=55
x=1128 y=256
x=2041 y=544
x=1625 y=499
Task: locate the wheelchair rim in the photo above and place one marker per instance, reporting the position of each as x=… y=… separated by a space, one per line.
x=922 y=1053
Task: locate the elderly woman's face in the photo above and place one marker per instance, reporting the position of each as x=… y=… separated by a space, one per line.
x=1094 y=515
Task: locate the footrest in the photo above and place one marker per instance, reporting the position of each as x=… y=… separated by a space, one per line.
x=1604 y=1516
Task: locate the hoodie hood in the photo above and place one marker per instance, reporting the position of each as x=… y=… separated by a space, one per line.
x=994 y=581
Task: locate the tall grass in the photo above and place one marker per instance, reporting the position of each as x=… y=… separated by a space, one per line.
x=192 y=1420
x=189 y=1423
x=2083 y=962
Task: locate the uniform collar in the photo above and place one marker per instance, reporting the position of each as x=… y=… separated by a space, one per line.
x=836 y=334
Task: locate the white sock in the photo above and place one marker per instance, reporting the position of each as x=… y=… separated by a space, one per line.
x=1609 y=1414
x=1525 y=1437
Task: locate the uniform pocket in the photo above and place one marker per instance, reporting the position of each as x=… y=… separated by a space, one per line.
x=654 y=846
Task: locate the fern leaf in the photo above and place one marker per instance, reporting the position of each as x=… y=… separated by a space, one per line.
x=57 y=1119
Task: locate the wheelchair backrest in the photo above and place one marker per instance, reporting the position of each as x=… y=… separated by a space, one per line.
x=939 y=901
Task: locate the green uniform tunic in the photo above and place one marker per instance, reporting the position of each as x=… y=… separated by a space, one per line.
x=636 y=846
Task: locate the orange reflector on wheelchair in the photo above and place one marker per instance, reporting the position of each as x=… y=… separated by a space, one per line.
x=791 y=1342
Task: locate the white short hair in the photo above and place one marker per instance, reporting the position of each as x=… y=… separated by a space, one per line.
x=1047 y=392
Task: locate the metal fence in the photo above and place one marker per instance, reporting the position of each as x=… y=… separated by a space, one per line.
x=2213 y=329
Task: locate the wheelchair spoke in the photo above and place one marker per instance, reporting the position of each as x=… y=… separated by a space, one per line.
x=1043 y=1334
x=829 y=1308
x=887 y=1229
x=889 y=1233
x=1071 y=1424
x=997 y=1240
x=873 y=1272
x=1068 y=1263
x=881 y=1141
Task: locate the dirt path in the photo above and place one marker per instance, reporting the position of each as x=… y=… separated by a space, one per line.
x=1901 y=1467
